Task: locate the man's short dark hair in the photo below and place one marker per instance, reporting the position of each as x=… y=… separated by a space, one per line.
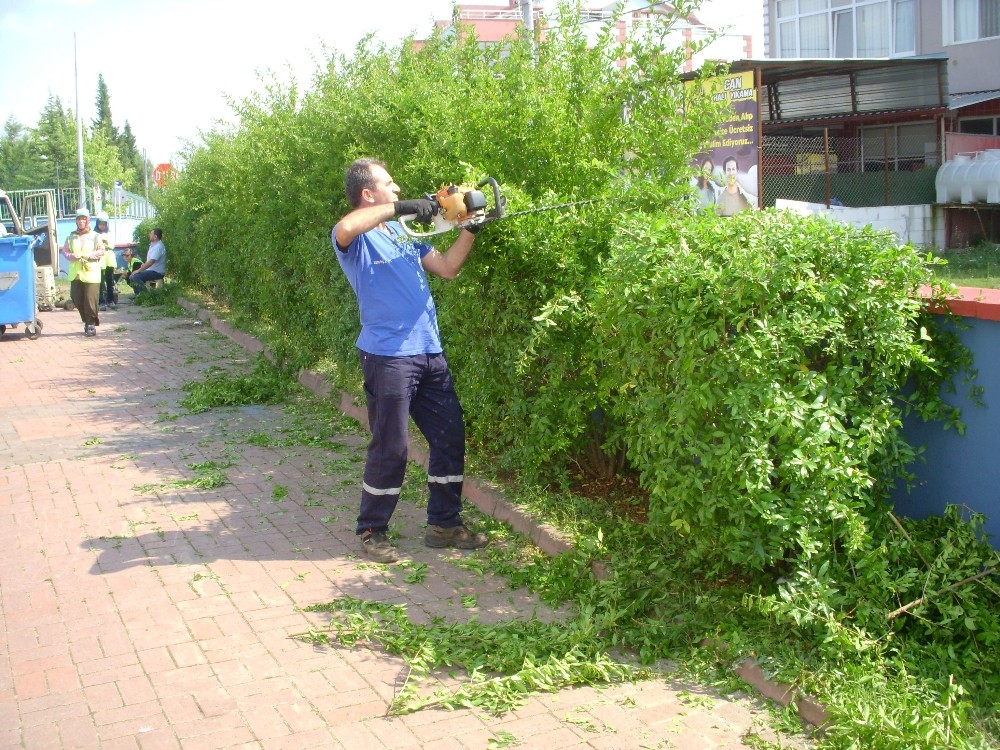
x=359 y=177
x=730 y=159
x=159 y=233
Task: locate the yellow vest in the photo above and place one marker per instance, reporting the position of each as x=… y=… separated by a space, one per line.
x=110 y=259
x=87 y=271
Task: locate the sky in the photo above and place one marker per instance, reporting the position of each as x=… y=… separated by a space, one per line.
x=172 y=65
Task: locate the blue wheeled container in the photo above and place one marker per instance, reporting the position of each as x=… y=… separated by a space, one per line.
x=17 y=286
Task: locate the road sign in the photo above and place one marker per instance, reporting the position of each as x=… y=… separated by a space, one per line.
x=161 y=173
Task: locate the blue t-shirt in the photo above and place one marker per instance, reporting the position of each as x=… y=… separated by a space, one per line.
x=398 y=317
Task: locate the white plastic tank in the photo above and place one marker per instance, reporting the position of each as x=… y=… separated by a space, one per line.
x=970 y=179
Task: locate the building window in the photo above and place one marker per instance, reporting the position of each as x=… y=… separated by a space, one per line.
x=979 y=125
x=848 y=28
x=899 y=148
x=905 y=28
x=971 y=20
x=843 y=33
x=873 y=30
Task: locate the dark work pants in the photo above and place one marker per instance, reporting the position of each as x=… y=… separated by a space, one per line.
x=85 y=297
x=420 y=387
x=138 y=279
x=108 y=294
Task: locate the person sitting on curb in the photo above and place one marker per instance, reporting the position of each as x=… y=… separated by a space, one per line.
x=131 y=262
x=155 y=267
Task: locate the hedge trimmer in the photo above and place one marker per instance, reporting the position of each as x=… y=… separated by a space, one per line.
x=463 y=206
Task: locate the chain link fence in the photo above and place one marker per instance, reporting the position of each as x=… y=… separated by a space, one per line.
x=883 y=166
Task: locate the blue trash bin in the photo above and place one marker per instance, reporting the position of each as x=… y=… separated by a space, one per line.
x=17 y=286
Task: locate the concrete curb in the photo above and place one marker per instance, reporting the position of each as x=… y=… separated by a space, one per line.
x=490 y=501
x=808 y=709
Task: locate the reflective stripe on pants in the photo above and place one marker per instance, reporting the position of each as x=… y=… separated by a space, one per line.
x=421 y=387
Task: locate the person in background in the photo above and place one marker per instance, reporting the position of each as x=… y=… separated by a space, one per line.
x=86 y=259
x=108 y=298
x=155 y=266
x=131 y=262
x=402 y=360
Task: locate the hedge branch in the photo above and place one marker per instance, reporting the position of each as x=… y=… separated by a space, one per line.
x=916 y=602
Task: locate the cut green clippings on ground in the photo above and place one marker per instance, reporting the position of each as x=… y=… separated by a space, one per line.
x=505 y=663
x=265 y=384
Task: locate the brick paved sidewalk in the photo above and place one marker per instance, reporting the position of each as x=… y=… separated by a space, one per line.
x=142 y=607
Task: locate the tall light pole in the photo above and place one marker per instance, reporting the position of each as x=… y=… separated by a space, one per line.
x=79 y=132
x=529 y=25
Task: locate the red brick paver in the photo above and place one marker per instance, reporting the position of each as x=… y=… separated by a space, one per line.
x=141 y=611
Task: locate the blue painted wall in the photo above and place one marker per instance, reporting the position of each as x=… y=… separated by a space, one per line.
x=962 y=469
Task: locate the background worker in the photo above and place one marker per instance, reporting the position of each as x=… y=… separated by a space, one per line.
x=86 y=259
x=110 y=262
x=131 y=262
x=405 y=370
x=155 y=266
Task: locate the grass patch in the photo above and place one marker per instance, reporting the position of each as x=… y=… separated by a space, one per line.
x=977 y=266
x=162 y=301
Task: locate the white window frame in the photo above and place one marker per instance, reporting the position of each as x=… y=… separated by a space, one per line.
x=948 y=25
x=831 y=11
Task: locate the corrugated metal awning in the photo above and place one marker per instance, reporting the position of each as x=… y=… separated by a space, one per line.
x=794 y=90
x=976 y=97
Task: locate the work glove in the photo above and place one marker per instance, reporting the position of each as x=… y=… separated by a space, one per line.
x=422 y=208
x=474 y=228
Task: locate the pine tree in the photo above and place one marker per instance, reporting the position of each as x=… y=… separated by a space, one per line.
x=104 y=121
x=55 y=137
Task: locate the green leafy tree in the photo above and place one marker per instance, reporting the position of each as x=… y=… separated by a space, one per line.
x=102 y=161
x=20 y=167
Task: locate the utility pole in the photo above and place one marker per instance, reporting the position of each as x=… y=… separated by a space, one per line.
x=529 y=26
x=79 y=132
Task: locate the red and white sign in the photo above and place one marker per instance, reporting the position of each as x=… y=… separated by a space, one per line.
x=162 y=173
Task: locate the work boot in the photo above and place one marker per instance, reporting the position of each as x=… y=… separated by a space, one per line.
x=376 y=545
x=454 y=536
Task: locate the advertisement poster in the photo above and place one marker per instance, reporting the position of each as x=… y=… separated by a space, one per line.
x=727 y=173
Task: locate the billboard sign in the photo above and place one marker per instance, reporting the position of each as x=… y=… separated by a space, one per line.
x=727 y=174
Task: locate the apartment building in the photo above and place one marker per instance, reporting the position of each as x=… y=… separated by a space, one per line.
x=965 y=32
x=495 y=22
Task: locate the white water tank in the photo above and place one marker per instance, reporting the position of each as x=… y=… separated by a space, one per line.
x=970 y=179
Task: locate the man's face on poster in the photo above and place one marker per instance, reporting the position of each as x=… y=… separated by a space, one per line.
x=731 y=168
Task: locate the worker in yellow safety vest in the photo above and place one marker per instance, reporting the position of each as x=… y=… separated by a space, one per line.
x=86 y=261
x=108 y=298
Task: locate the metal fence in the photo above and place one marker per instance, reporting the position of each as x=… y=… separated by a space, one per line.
x=67 y=200
x=883 y=166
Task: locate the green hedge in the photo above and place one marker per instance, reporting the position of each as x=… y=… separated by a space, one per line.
x=744 y=370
